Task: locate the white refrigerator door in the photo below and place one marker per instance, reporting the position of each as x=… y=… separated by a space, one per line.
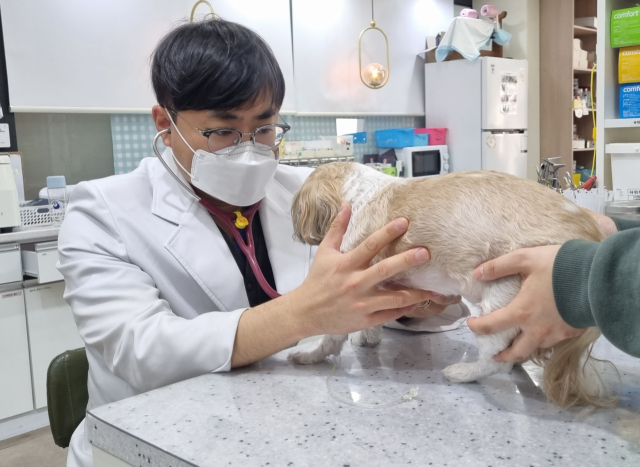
x=505 y=152
x=504 y=94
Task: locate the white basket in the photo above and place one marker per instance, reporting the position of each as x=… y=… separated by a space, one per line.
x=593 y=200
x=35 y=216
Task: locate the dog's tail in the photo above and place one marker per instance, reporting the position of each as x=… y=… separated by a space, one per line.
x=571 y=374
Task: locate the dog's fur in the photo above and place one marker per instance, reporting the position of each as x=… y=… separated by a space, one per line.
x=464 y=219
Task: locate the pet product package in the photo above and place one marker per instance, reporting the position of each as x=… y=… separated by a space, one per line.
x=630 y=100
x=625 y=27
x=629 y=65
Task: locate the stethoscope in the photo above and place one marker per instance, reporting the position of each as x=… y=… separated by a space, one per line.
x=229 y=220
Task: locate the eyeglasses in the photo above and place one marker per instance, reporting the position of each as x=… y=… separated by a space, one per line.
x=224 y=140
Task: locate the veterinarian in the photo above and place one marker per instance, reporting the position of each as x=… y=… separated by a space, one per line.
x=159 y=286
x=568 y=288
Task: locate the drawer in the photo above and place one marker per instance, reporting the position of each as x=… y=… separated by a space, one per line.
x=10 y=263
x=15 y=373
x=52 y=330
x=39 y=260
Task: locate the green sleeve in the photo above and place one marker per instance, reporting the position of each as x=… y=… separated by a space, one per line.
x=624 y=224
x=598 y=284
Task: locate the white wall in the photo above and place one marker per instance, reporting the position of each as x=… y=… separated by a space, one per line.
x=326 y=54
x=523 y=22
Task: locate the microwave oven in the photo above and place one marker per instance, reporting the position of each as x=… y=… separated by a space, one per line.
x=423 y=161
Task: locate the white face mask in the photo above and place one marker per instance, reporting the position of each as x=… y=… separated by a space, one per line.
x=239 y=178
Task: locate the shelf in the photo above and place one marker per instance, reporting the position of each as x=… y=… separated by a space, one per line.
x=622 y=123
x=580 y=31
x=582 y=71
x=583 y=149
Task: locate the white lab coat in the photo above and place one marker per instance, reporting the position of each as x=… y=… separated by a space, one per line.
x=154 y=289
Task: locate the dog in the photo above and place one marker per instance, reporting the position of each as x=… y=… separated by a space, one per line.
x=464 y=219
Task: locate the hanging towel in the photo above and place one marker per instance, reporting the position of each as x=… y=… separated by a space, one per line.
x=466 y=36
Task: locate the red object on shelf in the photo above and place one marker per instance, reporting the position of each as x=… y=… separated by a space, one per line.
x=589 y=183
x=437 y=136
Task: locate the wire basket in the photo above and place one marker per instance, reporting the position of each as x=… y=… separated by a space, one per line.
x=34 y=216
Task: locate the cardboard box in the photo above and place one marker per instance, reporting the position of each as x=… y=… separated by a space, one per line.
x=630 y=100
x=577 y=44
x=629 y=65
x=625 y=27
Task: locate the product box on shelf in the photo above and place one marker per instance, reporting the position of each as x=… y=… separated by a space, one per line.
x=625 y=27
x=630 y=100
x=629 y=65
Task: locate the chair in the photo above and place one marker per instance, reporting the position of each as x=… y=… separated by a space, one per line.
x=67 y=394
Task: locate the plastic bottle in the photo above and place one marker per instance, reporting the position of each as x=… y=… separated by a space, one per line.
x=57 y=193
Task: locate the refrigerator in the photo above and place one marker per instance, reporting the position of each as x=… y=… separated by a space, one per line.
x=483 y=105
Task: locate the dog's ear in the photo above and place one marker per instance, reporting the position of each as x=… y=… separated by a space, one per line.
x=315 y=205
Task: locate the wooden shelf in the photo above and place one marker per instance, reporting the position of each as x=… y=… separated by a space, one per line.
x=583 y=149
x=580 y=31
x=622 y=123
x=582 y=71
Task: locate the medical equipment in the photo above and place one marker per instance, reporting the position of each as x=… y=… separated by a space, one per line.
x=548 y=173
x=228 y=219
x=9 y=205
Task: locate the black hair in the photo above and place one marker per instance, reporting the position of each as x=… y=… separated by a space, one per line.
x=215 y=65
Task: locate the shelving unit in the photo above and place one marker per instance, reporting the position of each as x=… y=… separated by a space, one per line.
x=610 y=128
x=557 y=31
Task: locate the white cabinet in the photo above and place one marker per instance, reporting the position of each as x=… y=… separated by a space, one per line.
x=52 y=331
x=39 y=260
x=107 y=45
x=15 y=378
x=10 y=264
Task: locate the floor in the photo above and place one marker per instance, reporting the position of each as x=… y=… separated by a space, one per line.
x=34 y=449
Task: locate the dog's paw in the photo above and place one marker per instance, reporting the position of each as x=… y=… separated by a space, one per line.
x=365 y=339
x=302 y=357
x=461 y=372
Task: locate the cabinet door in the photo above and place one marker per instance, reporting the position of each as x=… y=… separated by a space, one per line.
x=52 y=331
x=15 y=378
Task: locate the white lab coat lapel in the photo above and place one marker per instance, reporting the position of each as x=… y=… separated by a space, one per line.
x=197 y=243
x=290 y=261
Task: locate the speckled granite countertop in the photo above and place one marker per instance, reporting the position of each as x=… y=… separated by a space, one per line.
x=277 y=414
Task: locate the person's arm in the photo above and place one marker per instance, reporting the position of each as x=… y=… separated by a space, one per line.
x=598 y=284
x=567 y=288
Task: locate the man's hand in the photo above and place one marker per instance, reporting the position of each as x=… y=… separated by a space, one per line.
x=533 y=309
x=341 y=295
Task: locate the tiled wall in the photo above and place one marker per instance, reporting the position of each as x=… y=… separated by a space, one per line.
x=133 y=134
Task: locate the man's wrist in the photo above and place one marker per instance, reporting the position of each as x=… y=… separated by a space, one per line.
x=296 y=313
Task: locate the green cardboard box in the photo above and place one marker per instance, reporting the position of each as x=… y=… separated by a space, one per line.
x=625 y=27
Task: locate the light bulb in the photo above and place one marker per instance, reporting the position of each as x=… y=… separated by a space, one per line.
x=374 y=74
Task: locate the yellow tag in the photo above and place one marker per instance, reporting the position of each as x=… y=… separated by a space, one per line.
x=241 y=221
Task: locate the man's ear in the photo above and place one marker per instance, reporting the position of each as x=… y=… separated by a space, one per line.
x=162 y=121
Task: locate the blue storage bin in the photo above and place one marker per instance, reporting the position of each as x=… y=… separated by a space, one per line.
x=395 y=138
x=421 y=139
x=360 y=137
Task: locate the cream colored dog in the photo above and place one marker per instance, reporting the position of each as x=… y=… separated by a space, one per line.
x=464 y=219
